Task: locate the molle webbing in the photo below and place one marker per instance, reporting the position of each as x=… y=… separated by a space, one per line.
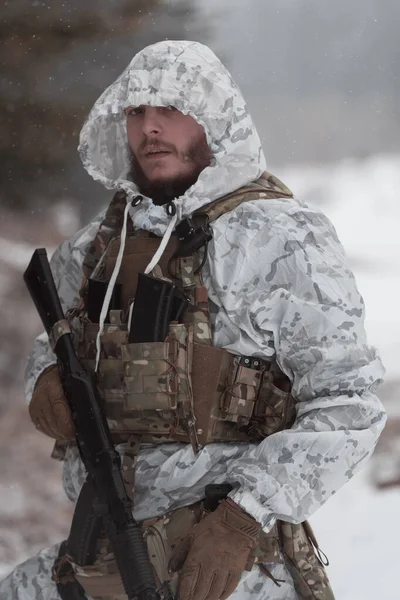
x=183 y=389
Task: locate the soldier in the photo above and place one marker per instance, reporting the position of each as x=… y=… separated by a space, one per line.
x=266 y=385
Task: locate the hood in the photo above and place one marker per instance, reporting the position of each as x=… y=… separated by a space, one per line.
x=190 y=77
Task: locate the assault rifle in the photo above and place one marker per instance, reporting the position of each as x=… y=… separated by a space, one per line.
x=104 y=488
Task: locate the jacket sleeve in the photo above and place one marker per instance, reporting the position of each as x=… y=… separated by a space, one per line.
x=301 y=294
x=66 y=266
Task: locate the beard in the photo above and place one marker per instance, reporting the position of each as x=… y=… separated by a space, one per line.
x=198 y=154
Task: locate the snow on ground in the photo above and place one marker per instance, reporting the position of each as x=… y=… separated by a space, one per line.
x=359 y=529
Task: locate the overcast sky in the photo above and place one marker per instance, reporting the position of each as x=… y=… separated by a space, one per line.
x=321 y=79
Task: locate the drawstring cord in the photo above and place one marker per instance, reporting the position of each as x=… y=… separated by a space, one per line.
x=111 y=284
x=263 y=567
x=154 y=261
x=160 y=250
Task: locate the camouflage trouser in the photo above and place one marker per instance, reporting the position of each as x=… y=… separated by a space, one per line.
x=31 y=580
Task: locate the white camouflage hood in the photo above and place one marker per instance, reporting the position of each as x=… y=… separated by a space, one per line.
x=190 y=77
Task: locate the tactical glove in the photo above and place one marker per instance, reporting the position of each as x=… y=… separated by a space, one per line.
x=212 y=558
x=49 y=409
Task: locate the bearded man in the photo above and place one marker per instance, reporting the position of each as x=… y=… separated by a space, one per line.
x=263 y=390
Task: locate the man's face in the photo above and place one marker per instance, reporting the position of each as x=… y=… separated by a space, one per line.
x=169 y=148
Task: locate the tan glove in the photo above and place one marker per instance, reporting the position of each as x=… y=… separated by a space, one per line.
x=49 y=409
x=213 y=557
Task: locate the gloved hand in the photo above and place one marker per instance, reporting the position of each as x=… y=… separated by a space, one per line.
x=212 y=558
x=49 y=409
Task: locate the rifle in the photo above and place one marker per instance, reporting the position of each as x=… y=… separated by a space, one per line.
x=104 y=488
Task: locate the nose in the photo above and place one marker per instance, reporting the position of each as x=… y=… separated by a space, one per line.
x=151 y=122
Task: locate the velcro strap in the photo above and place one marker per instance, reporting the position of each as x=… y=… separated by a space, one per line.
x=58 y=330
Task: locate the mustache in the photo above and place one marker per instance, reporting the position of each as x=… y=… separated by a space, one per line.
x=147 y=146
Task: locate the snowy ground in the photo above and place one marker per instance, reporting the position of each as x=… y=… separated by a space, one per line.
x=359 y=527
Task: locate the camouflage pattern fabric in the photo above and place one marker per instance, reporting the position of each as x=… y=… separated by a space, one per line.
x=266 y=186
x=58 y=330
x=130 y=408
x=32 y=581
x=129 y=461
x=190 y=77
x=101 y=580
x=152 y=388
x=143 y=385
x=305 y=567
x=198 y=312
x=147 y=389
x=279 y=288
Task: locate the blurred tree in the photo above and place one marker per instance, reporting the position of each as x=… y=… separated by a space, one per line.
x=56 y=58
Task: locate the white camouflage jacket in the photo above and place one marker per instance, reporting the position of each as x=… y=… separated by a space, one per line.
x=280 y=286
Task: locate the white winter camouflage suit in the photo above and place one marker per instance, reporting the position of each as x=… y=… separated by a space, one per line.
x=280 y=287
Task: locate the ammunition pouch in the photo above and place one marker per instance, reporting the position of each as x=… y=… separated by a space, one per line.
x=179 y=390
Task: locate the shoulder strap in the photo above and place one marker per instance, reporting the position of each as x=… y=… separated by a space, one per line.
x=265 y=187
x=109 y=228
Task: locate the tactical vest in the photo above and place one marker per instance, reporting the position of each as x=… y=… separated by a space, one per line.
x=184 y=389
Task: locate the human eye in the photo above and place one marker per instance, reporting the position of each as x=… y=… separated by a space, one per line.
x=133 y=110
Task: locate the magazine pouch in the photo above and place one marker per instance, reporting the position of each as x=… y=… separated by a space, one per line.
x=305 y=561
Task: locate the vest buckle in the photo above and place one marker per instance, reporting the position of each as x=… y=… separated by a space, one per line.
x=192 y=238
